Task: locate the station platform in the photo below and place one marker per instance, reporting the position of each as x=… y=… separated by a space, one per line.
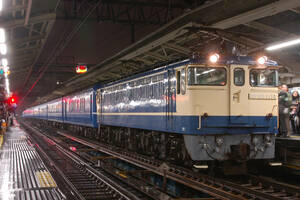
x=292 y=141
x=288 y=151
x=23 y=175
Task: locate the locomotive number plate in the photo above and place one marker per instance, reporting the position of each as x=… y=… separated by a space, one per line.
x=262 y=96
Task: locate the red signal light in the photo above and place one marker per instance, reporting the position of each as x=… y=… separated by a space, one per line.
x=12 y=100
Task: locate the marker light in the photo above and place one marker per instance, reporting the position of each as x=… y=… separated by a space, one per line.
x=214 y=58
x=283 y=44
x=73 y=148
x=4 y=62
x=262 y=60
x=3 y=49
x=2 y=35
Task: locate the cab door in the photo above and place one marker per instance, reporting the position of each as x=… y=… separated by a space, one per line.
x=239 y=90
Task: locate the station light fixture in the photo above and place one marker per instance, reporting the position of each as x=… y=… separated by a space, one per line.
x=81 y=69
x=262 y=60
x=4 y=62
x=2 y=35
x=214 y=58
x=7 y=86
x=3 y=49
x=283 y=44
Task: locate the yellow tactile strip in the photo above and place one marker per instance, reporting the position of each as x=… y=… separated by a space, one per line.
x=45 y=179
x=1 y=140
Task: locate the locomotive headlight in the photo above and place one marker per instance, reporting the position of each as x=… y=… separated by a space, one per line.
x=262 y=60
x=214 y=58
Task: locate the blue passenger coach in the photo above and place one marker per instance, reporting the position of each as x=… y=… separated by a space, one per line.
x=55 y=110
x=80 y=108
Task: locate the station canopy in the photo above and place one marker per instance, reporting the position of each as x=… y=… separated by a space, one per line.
x=117 y=38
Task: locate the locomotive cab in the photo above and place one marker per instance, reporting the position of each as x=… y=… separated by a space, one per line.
x=234 y=110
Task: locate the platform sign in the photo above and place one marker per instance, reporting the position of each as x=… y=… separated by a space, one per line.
x=81 y=69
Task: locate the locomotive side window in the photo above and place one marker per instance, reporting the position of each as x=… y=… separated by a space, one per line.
x=239 y=77
x=263 y=78
x=207 y=76
x=182 y=81
x=178 y=82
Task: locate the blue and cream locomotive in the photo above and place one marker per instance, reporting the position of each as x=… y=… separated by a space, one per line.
x=210 y=109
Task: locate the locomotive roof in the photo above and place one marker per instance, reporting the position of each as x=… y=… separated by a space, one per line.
x=238 y=60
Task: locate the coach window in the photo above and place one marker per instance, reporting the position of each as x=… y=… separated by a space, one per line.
x=239 y=77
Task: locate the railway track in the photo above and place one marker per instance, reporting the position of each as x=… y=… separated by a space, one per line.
x=85 y=182
x=253 y=188
x=265 y=185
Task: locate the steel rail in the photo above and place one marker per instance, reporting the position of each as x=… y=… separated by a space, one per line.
x=216 y=187
x=114 y=186
x=158 y=167
x=52 y=163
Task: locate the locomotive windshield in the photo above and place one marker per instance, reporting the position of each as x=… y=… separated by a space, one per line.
x=206 y=76
x=263 y=77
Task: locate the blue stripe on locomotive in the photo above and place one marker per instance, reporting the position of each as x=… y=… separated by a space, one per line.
x=190 y=124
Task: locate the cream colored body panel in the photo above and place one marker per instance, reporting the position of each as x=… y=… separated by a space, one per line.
x=229 y=100
x=266 y=102
x=198 y=100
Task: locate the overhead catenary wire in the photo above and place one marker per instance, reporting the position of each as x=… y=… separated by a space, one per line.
x=59 y=50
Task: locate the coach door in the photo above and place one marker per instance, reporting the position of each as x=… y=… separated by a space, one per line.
x=170 y=99
x=98 y=106
x=63 y=109
x=239 y=90
x=66 y=109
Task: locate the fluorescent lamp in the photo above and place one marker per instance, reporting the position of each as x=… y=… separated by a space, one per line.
x=7 y=85
x=1 y=5
x=283 y=44
x=4 y=62
x=2 y=35
x=3 y=49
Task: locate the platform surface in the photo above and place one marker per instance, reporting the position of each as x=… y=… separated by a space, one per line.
x=292 y=137
x=23 y=175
